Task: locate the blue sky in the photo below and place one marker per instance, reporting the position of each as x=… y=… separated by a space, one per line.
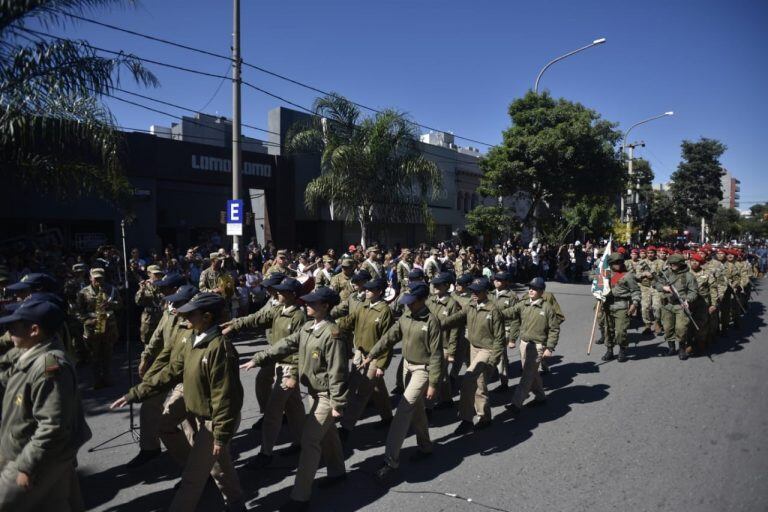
x=457 y=65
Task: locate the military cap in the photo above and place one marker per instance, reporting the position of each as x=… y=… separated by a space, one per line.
x=347 y=262
x=405 y=250
x=183 y=294
x=434 y=252
x=376 y=284
x=676 y=259
x=443 y=278
x=480 y=284
x=352 y=248
x=502 y=276
x=634 y=251
x=616 y=257
x=415 y=292
x=288 y=284
x=373 y=248
x=155 y=269
x=322 y=294
x=281 y=253
x=207 y=301
x=415 y=274
x=651 y=248
x=361 y=276
x=214 y=256
x=622 y=250
x=464 y=279
x=273 y=279
x=35 y=281
x=327 y=259
x=41 y=312
x=79 y=267
x=21 y=286
x=697 y=257
x=171 y=280
x=663 y=249
x=537 y=283
x=97 y=272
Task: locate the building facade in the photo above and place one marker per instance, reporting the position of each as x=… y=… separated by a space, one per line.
x=731 y=188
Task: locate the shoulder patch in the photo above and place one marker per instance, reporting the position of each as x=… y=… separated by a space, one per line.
x=52 y=365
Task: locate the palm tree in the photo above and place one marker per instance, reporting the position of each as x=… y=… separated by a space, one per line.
x=372 y=169
x=55 y=134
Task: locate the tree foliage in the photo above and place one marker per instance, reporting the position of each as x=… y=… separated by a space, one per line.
x=696 y=188
x=489 y=222
x=372 y=169
x=726 y=224
x=557 y=153
x=55 y=134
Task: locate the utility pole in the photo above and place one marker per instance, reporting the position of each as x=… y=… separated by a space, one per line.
x=236 y=121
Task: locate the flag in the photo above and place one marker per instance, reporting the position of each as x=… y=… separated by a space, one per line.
x=601 y=284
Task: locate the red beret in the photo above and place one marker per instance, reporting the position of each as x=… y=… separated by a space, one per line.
x=622 y=250
x=652 y=248
x=697 y=257
x=634 y=251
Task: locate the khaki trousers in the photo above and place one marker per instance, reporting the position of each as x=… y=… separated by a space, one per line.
x=503 y=366
x=177 y=442
x=200 y=464
x=319 y=437
x=264 y=382
x=150 y=412
x=474 y=386
x=675 y=323
x=364 y=385
x=282 y=400
x=530 y=380
x=56 y=487
x=461 y=357
x=410 y=413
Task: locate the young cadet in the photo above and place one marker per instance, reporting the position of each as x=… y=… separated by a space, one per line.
x=419 y=331
x=368 y=324
x=442 y=305
x=213 y=396
x=42 y=417
x=285 y=397
x=463 y=296
x=485 y=334
x=503 y=296
x=152 y=409
x=539 y=328
x=323 y=370
x=416 y=275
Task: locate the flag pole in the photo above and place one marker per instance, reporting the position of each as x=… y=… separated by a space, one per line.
x=594 y=325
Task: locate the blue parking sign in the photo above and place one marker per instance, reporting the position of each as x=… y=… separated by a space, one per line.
x=235 y=211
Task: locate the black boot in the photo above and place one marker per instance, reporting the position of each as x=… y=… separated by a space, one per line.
x=622 y=355
x=143 y=457
x=682 y=354
x=672 y=351
x=608 y=356
x=600 y=341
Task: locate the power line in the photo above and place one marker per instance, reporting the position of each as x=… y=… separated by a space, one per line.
x=252 y=66
x=443 y=158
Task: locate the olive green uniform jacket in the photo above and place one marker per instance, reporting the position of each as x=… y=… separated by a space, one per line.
x=420 y=334
x=282 y=321
x=369 y=322
x=210 y=374
x=484 y=327
x=443 y=308
x=536 y=321
x=322 y=358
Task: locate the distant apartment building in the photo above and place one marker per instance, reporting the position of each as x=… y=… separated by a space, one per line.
x=207 y=129
x=731 y=190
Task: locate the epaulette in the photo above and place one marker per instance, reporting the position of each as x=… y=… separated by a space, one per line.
x=52 y=365
x=335 y=331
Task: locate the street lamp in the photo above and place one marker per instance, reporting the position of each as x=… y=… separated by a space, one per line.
x=590 y=45
x=630 y=148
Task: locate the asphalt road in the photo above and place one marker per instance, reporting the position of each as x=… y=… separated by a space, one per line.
x=654 y=433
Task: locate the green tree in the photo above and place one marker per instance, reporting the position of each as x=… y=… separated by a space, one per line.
x=696 y=188
x=590 y=219
x=372 y=169
x=489 y=222
x=556 y=153
x=726 y=224
x=55 y=134
x=662 y=213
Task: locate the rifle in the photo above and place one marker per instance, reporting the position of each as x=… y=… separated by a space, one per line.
x=736 y=298
x=683 y=303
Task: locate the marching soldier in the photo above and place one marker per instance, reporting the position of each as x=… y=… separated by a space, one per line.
x=621 y=303
x=96 y=307
x=368 y=323
x=644 y=274
x=704 y=308
x=504 y=297
x=463 y=296
x=323 y=370
x=341 y=282
x=284 y=397
x=373 y=263
x=442 y=305
x=356 y=298
x=150 y=299
x=419 y=331
x=213 y=397
x=486 y=336
x=151 y=409
x=42 y=416
x=539 y=330
x=633 y=261
x=673 y=316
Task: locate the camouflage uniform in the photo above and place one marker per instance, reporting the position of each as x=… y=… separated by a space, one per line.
x=96 y=310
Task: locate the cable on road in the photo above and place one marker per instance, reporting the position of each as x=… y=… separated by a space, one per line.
x=455 y=496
